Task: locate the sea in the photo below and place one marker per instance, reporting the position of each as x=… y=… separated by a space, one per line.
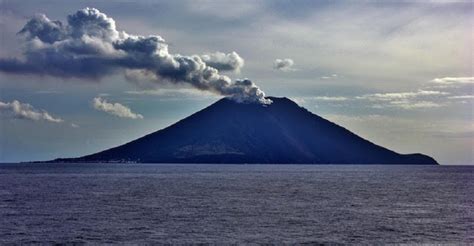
x=235 y=204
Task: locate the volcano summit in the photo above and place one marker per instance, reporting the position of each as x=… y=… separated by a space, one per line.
x=232 y=132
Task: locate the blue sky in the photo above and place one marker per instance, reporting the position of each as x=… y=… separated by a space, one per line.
x=397 y=73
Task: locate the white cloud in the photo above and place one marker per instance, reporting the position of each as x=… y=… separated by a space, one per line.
x=224 y=62
x=332 y=76
x=401 y=95
x=453 y=80
x=116 y=109
x=407 y=104
x=326 y=98
x=284 y=64
x=462 y=97
x=407 y=100
x=18 y=110
x=403 y=100
x=446 y=88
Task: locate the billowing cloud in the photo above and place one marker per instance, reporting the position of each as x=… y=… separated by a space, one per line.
x=224 y=62
x=89 y=46
x=453 y=80
x=116 y=109
x=18 y=110
x=284 y=64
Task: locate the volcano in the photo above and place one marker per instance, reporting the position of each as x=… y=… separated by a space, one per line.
x=231 y=132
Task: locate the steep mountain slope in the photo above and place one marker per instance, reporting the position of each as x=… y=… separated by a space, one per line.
x=230 y=132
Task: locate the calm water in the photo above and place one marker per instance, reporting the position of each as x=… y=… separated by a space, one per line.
x=235 y=204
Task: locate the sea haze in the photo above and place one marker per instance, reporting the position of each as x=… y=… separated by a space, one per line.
x=140 y=203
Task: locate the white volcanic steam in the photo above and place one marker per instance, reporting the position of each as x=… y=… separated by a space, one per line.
x=89 y=47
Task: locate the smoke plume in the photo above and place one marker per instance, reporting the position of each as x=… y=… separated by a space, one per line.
x=89 y=46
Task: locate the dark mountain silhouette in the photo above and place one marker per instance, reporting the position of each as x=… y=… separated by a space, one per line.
x=230 y=132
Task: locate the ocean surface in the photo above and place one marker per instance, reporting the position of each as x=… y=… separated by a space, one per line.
x=146 y=203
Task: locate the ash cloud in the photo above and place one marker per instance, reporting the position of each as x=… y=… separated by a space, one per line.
x=89 y=46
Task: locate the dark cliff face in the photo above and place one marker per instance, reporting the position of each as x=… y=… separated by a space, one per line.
x=230 y=132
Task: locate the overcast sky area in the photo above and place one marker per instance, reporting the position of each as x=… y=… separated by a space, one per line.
x=77 y=81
